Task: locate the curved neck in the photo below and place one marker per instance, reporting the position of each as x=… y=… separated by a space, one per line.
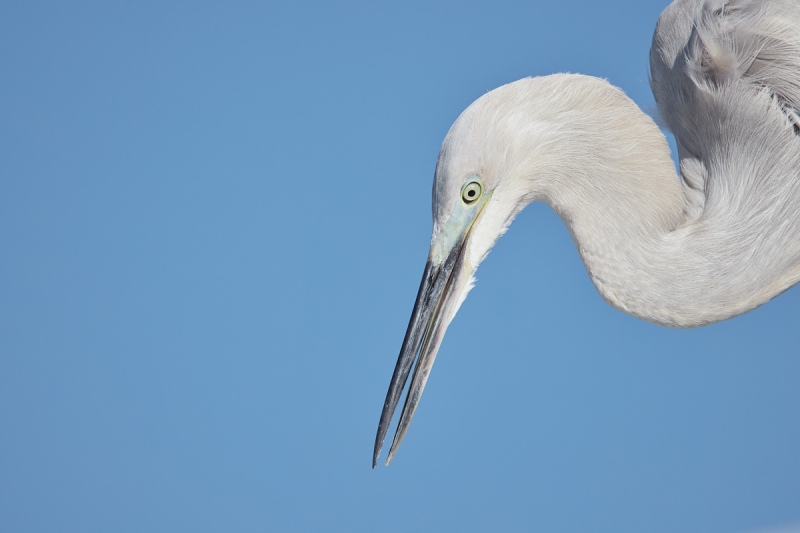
x=607 y=172
x=612 y=182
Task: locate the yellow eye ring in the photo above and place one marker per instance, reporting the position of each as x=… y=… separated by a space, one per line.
x=471 y=192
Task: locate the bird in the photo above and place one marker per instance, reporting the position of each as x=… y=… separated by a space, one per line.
x=682 y=249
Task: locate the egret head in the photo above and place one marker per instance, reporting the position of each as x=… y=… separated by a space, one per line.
x=476 y=194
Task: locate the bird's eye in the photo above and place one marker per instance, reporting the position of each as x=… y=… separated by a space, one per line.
x=471 y=192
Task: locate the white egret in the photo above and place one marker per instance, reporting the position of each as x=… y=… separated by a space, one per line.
x=718 y=240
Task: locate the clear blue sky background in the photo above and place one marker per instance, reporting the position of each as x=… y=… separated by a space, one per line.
x=213 y=220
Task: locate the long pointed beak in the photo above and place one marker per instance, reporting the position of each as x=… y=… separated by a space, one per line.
x=440 y=294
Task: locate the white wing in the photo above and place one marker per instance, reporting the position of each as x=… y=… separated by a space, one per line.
x=711 y=55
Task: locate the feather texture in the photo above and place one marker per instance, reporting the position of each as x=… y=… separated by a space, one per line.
x=715 y=241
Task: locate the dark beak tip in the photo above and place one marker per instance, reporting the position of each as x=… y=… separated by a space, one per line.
x=421 y=342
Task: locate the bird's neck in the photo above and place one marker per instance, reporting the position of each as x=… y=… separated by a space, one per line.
x=609 y=176
x=612 y=182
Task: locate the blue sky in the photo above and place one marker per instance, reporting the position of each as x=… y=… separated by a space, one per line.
x=213 y=220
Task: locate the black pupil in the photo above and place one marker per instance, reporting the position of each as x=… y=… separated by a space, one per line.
x=471 y=193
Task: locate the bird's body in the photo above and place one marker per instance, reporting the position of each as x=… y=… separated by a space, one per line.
x=715 y=241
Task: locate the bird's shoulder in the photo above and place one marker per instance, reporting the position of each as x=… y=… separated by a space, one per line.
x=700 y=46
x=713 y=60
